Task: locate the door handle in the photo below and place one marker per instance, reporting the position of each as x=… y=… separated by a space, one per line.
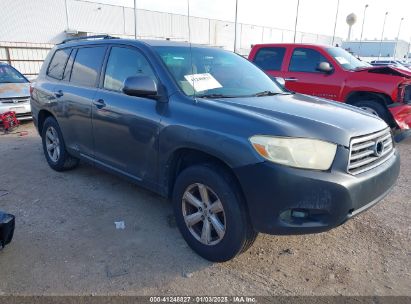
x=58 y=93
x=291 y=79
x=99 y=103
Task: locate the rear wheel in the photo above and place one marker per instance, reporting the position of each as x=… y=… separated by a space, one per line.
x=54 y=148
x=211 y=214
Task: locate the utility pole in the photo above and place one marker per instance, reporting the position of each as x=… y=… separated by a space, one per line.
x=335 y=24
x=398 y=37
x=296 y=21
x=382 y=34
x=67 y=16
x=362 y=29
x=235 y=26
x=135 y=19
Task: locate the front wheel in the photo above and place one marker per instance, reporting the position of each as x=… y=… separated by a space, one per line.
x=374 y=107
x=54 y=148
x=211 y=214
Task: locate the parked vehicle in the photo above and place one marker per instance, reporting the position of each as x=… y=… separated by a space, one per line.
x=14 y=92
x=235 y=152
x=333 y=73
x=396 y=63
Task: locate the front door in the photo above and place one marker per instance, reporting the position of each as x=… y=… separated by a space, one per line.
x=303 y=76
x=125 y=128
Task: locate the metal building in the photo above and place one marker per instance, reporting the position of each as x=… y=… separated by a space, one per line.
x=25 y=24
x=378 y=49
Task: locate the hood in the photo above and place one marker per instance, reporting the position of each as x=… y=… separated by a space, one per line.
x=310 y=117
x=387 y=70
x=9 y=90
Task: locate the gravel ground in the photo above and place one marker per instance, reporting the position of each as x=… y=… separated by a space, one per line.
x=66 y=242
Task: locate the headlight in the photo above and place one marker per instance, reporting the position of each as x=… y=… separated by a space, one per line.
x=296 y=152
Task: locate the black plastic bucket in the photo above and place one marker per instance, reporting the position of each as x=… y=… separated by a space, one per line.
x=7 y=222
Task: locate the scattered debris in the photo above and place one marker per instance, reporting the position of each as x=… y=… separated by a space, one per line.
x=115 y=273
x=120 y=225
x=288 y=251
x=3 y=193
x=187 y=274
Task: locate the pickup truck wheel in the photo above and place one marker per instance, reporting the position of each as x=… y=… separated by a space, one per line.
x=210 y=213
x=374 y=107
x=54 y=148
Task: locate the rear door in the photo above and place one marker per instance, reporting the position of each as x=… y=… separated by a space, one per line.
x=75 y=94
x=125 y=128
x=270 y=60
x=302 y=75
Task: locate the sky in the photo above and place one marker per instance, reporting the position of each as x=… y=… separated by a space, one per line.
x=315 y=16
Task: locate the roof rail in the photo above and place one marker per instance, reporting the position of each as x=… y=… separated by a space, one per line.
x=88 y=37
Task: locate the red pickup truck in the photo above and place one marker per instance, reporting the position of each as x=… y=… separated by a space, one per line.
x=333 y=73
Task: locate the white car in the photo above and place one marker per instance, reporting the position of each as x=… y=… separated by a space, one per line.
x=14 y=92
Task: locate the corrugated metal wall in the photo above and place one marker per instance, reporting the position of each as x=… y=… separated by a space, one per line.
x=46 y=21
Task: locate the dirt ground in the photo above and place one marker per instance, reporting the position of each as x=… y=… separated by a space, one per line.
x=66 y=242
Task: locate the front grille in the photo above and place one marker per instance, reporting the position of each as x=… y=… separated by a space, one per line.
x=370 y=151
x=15 y=100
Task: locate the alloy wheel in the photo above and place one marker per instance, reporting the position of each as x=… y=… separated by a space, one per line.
x=204 y=214
x=52 y=144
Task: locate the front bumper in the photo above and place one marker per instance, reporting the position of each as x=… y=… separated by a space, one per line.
x=273 y=192
x=402 y=115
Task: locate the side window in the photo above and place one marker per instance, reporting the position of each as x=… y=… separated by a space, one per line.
x=305 y=60
x=69 y=65
x=58 y=63
x=122 y=63
x=87 y=65
x=270 y=59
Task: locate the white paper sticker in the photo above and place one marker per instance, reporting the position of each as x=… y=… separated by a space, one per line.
x=341 y=60
x=202 y=82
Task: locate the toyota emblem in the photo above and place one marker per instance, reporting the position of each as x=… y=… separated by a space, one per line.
x=378 y=148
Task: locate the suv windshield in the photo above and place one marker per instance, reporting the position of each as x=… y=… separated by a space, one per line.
x=345 y=59
x=10 y=75
x=215 y=73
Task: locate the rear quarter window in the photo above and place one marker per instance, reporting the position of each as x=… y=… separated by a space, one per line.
x=87 y=66
x=58 y=63
x=269 y=58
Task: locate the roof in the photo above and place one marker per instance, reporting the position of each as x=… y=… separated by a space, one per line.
x=107 y=39
x=293 y=44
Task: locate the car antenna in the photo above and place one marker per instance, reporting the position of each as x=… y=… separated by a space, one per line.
x=191 y=51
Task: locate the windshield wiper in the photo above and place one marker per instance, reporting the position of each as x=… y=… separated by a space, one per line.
x=269 y=93
x=215 y=95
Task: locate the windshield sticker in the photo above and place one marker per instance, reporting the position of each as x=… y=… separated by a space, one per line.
x=202 y=82
x=341 y=60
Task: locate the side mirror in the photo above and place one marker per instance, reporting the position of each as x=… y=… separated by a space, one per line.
x=141 y=86
x=280 y=81
x=324 y=67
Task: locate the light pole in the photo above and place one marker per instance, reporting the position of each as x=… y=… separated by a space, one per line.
x=362 y=29
x=382 y=34
x=135 y=19
x=67 y=15
x=335 y=24
x=296 y=20
x=398 y=36
x=235 y=26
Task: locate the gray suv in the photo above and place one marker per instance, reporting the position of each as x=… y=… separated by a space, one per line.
x=235 y=152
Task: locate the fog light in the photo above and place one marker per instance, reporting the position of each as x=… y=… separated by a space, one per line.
x=298 y=213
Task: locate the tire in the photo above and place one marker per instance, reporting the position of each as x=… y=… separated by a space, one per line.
x=238 y=234
x=57 y=157
x=374 y=107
